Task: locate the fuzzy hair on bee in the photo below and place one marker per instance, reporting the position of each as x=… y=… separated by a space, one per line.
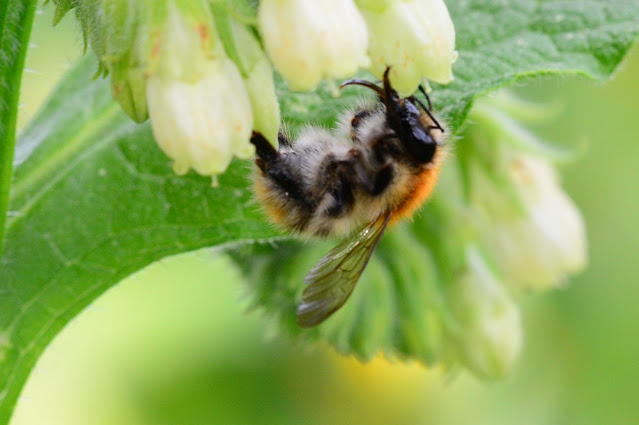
x=376 y=167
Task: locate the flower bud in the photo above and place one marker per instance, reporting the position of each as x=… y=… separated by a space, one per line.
x=128 y=86
x=489 y=338
x=111 y=26
x=311 y=40
x=415 y=37
x=199 y=108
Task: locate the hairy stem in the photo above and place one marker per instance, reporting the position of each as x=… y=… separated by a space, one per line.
x=16 y=19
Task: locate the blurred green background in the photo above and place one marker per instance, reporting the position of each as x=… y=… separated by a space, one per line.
x=174 y=343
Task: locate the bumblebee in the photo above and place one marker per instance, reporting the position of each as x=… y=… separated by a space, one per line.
x=377 y=167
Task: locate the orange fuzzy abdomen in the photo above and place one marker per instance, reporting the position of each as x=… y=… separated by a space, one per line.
x=421 y=186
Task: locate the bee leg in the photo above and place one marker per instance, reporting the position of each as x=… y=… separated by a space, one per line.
x=341 y=190
x=343 y=200
x=261 y=165
x=335 y=182
x=263 y=148
x=382 y=178
x=277 y=169
x=339 y=177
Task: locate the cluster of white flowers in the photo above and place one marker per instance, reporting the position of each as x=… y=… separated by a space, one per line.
x=203 y=105
x=309 y=41
x=527 y=234
x=202 y=122
x=198 y=71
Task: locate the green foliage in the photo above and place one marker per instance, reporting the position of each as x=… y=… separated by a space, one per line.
x=94 y=200
x=400 y=306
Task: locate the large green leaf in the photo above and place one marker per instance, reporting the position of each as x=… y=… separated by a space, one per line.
x=94 y=200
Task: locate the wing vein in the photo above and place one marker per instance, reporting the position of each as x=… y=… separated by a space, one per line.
x=332 y=280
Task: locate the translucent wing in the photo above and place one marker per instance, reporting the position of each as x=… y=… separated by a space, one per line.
x=333 y=278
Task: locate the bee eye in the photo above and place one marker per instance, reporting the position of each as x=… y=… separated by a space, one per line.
x=420 y=145
x=406 y=122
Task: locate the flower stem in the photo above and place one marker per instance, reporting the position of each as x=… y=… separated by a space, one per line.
x=16 y=19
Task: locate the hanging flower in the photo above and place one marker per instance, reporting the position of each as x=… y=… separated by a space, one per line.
x=201 y=125
x=415 y=37
x=540 y=243
x=199 y=108
x=533 y=231
x=200 y=74
x=311 y=40
x=168 y=62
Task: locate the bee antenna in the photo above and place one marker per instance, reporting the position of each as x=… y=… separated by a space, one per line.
x=427 y=110
x=421 y=89
x=364 y=83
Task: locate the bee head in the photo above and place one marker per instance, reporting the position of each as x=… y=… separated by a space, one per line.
x=404 y=117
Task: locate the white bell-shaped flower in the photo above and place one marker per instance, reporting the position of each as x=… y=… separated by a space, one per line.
x=538 y=245
x=311 y=40
x=198 y=105
x=201 y=125
x=415 y=37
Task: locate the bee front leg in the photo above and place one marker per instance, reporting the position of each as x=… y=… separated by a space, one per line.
x=266 y=153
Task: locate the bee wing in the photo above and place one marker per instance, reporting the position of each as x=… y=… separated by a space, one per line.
x=333 y=278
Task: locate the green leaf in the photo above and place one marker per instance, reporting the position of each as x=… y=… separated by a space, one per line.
x=504 y=41
x=94 y=199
